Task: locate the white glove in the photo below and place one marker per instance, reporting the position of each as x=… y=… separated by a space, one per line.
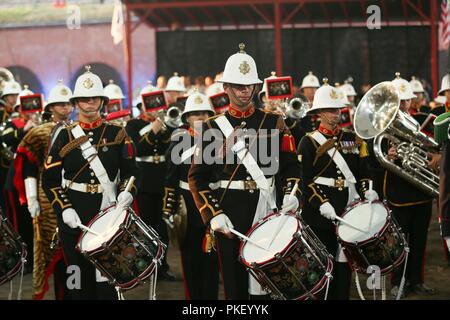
x=327 y=211
x=71 y=218
x=124 y=199
x=447 y=240
x=31 y=193
x=371 y=195
x=289 y=204
x=221 y=223
x=33 y=207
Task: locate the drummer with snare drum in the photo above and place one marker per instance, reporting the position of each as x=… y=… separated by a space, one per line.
x=89 y=163
x=246 y=188
x=334 y=168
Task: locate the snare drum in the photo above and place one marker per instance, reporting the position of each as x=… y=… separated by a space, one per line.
x=127 y=250
x=383 y=244
x=12 y=251
x=296 y=265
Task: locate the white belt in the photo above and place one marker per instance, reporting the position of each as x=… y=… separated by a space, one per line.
x=184 y=185
x=152 y=159
x=339 y=183
x=84 y=187
x=242 y=184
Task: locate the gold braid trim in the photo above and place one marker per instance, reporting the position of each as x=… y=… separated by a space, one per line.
x=323 y=148
x=75 y=143
x=120 y=136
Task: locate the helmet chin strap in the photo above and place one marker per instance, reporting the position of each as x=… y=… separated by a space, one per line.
x=330 y=123
x=90 y=113
x=242 y=103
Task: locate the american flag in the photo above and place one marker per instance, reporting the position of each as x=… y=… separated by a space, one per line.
x=444 y=34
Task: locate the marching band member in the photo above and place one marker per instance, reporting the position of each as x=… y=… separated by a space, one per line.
x=200 y=269
x=278 y=105
x=29 y=164
x=334 y=168
x=412 y=208
x=152 y=138
x=309 y=86
x=115 y=96
x=246 y=192
x=175 y=89
x=417 y=105
x=8 y=100
x=442 y=134
x=350 y=92
x=14 y=131
x=83 y=152
x=444 y=91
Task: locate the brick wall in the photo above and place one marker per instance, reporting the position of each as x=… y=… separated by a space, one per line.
x=51 y=53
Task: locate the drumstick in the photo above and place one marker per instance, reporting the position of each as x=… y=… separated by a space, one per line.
x=350 y=225
x=370 y=207
x=240 y=235
x=130 y=183
x=283 y=218
x=83 y=227
x=118 y=210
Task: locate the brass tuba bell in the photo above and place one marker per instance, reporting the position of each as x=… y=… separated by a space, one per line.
x=378 y=116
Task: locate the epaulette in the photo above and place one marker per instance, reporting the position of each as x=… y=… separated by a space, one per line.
x=346 y=130
x=69 y=126
x=114 y=124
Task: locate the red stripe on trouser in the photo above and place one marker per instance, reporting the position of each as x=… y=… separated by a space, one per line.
x=13 y=210
x=185 y=286
x=219 y=259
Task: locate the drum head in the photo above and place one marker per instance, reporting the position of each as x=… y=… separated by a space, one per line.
x=263 y=234
x=106 y=224
x=359 y=216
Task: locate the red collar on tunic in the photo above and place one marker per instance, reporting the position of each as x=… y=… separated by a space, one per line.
x=447 y=106
x=324 y=130
x=148 y=118
x=241 y=114
x=89 y=126
x=192 y=132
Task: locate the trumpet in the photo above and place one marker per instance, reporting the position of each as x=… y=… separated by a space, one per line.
x=173 y=117
x=378 y=116
x=297 y=107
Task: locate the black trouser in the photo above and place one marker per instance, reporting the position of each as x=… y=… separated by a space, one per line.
x=88 y=288
x=150 y=211
x=240 y=207
x=3 y=192
x=200 y=270
x=414 y=221
x=86 y=206
x=342 y=274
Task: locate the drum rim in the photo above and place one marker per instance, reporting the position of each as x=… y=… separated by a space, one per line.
x=95 y=218
x=4 y=221
x=16 y=269
x=254 y=227
x=353 y=205
x=321 y=284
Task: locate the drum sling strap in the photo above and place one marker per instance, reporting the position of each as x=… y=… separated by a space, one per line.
x=146 y=129
x=350 y=178
x=188 y=153
x=90 y=154
x=341 y=164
